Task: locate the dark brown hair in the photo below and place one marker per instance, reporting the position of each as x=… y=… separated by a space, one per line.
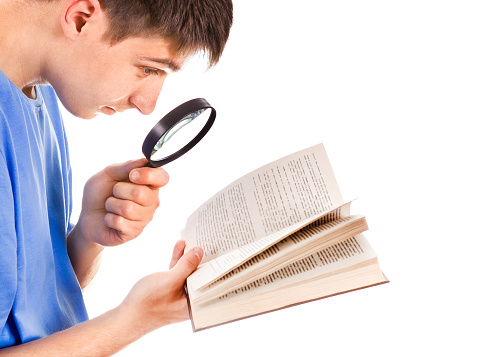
x=190 y=25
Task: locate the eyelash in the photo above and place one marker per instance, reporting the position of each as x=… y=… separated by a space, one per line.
x=150 y=71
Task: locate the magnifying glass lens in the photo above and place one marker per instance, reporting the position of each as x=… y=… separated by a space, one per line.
x=186 y=129
x=178 y=132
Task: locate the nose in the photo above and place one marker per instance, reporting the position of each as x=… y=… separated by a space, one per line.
x=145 y=97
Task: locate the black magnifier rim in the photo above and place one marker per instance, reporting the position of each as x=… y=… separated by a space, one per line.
x=171 y=119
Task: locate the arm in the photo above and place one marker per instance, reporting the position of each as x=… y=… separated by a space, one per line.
x=118 y=203
x=154 y=301
x=85 y=257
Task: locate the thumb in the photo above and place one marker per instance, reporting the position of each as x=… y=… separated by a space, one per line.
x=120 y=172
x=188 y=263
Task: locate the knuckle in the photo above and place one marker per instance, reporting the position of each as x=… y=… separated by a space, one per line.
x=109 y=203
x=118 y=190
x=165 y=177
x=113 y=221
x=117 y=221
x=127 y=208
x=157 y=203
x=138 y=193
x=117 y=187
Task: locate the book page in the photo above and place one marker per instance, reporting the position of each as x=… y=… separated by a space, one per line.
x=223 y=264
x=296 y=246
x=347 y=266
x=326 y=262
x=263 y=202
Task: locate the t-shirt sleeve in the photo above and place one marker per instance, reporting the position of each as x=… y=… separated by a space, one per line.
x=8 y=244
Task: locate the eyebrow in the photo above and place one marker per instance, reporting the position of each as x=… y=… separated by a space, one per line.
x=164 y=61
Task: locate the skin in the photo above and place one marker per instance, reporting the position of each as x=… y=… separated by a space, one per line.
x=60 y=43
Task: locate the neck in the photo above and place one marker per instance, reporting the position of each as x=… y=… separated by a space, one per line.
x=23 y=42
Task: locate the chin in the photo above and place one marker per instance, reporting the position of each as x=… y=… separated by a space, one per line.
x=86 y=116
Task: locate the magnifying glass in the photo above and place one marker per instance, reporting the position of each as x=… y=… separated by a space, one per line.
x=178 y=132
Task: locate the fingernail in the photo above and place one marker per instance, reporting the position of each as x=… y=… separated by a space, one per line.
x=134 y=175
x=198 y=251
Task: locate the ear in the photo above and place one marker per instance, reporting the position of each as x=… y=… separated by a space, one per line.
x=79 y=13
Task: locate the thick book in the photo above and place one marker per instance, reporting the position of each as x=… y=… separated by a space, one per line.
x=277 y=237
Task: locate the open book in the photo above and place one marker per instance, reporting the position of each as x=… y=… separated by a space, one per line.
x=279 y=236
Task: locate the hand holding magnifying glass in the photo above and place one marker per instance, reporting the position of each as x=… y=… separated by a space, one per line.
x=162 y=145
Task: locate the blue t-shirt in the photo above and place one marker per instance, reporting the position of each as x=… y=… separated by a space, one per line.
x=39 y=292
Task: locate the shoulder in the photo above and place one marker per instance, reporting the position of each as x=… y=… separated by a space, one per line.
x=10 y=107
x=8 y=94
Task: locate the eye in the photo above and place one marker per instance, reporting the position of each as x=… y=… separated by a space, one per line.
x=150 y=71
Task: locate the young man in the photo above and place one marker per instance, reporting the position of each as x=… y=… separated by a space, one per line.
x=100 y=56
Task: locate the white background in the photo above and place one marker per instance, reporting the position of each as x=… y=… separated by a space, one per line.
x=394 y=90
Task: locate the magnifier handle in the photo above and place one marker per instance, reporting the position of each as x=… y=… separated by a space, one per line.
x=149 y=164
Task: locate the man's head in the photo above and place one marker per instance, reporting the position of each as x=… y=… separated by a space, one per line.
x=190 y=25
x=114 y=55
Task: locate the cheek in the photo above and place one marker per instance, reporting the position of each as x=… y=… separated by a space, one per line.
x=113 y=86
x=87 y=89
x=79 y=98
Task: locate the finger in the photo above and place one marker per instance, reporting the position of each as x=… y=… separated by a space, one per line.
x=154 y=177
x=177 y=252
x=120 y=172
x=126 y=229
x=142 y=195
x=129 y=209
x=187 y=264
